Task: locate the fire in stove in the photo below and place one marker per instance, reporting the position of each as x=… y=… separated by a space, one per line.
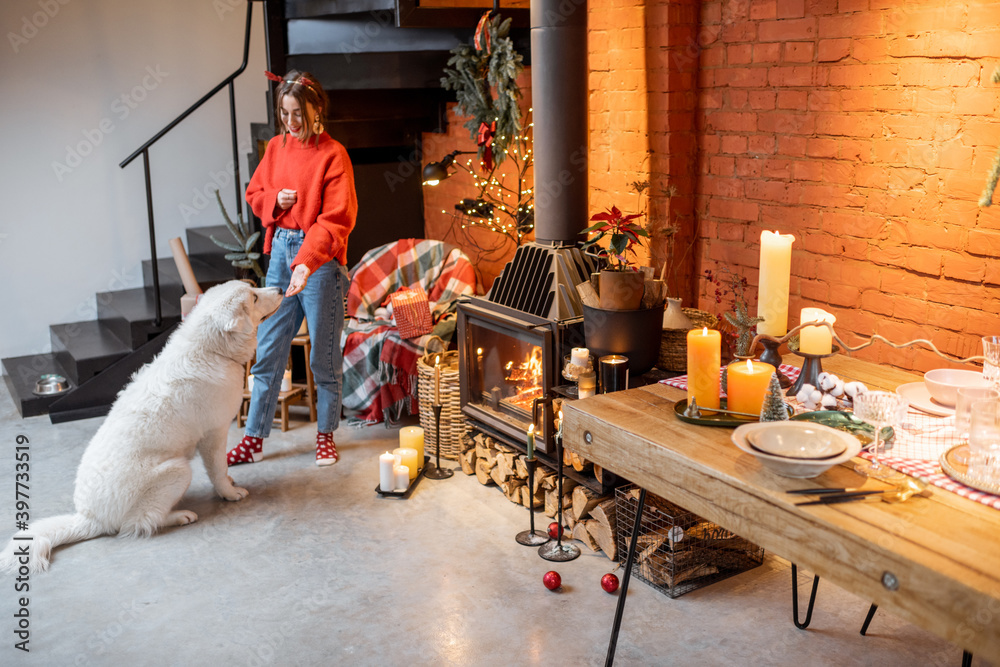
x=525 y=379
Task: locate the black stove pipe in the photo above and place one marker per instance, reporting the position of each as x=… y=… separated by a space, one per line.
x=559 y=102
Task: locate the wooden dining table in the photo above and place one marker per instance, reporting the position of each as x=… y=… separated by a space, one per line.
x=934 y=560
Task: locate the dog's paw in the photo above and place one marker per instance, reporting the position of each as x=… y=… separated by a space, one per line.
x=234 y=493
x=181 y=518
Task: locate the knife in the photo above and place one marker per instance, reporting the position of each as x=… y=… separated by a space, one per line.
x=821 y=491
x=841 y=498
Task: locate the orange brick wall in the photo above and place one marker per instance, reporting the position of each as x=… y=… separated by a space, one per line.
x=487 y=250
x=866 y=129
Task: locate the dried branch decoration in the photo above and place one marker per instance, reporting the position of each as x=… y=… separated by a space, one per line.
x=844 y=346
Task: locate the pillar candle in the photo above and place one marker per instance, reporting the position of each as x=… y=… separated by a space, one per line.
x=408 y=457
x=704 y=361
x=401 y=477
x=385 y=480
x=815 y=340
x=746 y=385
x=579 y=356
x=775 y=273
x=413 y=437
x=531 y=441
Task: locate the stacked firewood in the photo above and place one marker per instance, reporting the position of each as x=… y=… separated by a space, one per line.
x=588 y=516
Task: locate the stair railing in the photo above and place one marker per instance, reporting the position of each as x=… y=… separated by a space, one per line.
x=144 y=152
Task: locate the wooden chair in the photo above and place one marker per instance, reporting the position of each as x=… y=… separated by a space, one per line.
x=302 y=340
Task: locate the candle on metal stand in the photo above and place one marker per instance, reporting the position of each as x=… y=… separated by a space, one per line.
x=385 y=480
x=815 y=339
x=775 y=274
x=437 y=380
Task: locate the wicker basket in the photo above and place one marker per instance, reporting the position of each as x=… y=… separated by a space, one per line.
x=453 y=423
x=673 y=342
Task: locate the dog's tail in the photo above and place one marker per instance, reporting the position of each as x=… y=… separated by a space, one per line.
x=32 y=548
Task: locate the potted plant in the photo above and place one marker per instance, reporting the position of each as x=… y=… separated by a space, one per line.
x=621 y=283
x=621 y=325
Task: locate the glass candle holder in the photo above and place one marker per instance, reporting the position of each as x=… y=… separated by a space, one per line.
x=614 y=373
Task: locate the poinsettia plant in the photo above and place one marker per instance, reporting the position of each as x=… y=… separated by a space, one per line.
x=622 y=233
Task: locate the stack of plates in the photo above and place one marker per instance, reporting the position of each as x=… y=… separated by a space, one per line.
x=796 y=449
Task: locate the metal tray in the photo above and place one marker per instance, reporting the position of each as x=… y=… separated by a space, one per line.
x=409 y=489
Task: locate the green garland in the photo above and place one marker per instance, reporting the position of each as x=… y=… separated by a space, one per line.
x=474 y=74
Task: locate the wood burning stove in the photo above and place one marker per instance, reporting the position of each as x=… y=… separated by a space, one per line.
x=509 y=362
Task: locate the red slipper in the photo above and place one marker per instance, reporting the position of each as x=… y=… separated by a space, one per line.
x=250 y=450
x=326 y=450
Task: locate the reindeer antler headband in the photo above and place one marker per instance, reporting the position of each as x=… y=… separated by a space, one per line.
x=302 y=80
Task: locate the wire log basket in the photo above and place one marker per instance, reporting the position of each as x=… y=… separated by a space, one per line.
x=678 y=551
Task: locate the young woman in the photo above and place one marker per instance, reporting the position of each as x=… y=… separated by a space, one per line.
x=303 y=191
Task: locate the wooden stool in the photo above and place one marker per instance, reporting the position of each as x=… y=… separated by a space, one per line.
x=285 y=398
x=302 y=340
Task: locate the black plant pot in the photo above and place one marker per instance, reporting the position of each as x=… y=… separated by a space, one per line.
x=633 y=333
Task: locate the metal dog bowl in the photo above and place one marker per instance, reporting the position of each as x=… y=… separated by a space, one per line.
x=51 y=384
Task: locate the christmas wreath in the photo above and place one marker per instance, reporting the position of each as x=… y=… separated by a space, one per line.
x=484 y=77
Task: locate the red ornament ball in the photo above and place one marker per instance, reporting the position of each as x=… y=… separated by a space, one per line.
x=552 y=580
x=609 y=583
x=554 y=530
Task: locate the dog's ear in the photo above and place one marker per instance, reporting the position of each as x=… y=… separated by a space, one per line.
x=237 y=316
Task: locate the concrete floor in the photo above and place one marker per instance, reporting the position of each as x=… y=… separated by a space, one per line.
x=315 y=569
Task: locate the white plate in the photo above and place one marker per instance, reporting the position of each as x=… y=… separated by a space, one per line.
x=798 y=440
x=797 y=468
x=917 y=395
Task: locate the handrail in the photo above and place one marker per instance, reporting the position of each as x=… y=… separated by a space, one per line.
x=144 y=151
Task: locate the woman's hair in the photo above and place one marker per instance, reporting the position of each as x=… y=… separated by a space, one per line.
x=305 y=88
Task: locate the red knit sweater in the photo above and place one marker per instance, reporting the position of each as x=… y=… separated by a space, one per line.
x=327 y=205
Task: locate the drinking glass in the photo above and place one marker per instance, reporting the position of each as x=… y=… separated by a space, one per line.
x=984 y=440
x=991 y=367
x=880 y=409
x=963 y=416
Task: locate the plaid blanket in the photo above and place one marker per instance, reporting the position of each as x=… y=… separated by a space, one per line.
x=380 y=367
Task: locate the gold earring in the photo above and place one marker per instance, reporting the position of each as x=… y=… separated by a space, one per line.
x=317 y=126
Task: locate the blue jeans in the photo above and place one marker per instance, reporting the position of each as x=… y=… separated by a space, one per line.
x=322 y=304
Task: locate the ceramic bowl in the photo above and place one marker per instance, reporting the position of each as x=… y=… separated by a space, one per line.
x=801 y=445
x=943 y=383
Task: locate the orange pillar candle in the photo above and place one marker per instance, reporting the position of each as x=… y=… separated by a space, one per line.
x=815 y=340
x=746 y=385
x=704 y=360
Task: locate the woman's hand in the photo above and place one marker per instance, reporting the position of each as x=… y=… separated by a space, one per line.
x=298 y=282
x=286 y=198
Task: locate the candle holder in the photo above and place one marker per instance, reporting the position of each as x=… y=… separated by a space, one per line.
x=531 y=537
x=555 y=550
x=437 y=472
x=770 y=355
x=811 y=368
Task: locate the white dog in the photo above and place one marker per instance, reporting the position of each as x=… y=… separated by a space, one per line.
x=137 y=466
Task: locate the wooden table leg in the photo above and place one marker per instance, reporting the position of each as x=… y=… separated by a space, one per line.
x=623 y=592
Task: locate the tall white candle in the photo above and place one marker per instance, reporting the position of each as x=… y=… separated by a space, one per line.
x=385 y=463
x=815 y=340
x=775 y=274
x=437 y=380
x=531 y=442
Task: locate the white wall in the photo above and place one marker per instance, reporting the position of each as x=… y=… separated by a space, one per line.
x=72 y=223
